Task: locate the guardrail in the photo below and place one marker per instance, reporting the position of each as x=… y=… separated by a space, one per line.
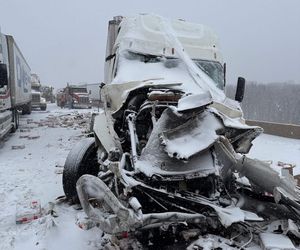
x=279 y=129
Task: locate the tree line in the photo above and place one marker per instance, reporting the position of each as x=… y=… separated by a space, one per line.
x=272 y=102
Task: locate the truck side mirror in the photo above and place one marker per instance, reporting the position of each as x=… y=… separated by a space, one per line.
x=224 y=71
x=3 y=75
x=240 y=89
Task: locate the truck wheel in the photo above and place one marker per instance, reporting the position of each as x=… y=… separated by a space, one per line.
x=26 y=109
x=15 y=120
x=43 y=108
x=29 y=108
x=82 y=159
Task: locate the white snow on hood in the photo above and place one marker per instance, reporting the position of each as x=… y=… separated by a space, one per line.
x=133 y=70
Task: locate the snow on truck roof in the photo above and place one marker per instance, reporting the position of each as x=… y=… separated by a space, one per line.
x=155 y=35
x=145 y=33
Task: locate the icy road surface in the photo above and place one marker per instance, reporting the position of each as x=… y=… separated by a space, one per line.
x=34 y=173
x=276 y=148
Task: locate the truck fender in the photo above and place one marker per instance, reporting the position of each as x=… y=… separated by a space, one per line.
x=105 y=132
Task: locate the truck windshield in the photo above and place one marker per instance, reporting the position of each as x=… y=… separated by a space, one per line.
x=78 y=90
x=213 y=69
x=36 y=88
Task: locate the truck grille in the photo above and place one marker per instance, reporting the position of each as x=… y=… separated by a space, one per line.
x=83 y=99
x=36 y=98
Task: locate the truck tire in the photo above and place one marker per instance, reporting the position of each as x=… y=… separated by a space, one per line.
x=26 y=109
x=82 y=159
x=15 y=120
x=29 y=108
x=43 y=108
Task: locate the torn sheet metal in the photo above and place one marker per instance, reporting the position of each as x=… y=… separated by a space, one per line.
x=194 y=101
x=259 y=173
x=154 y=159
x=230 y=215
x=192 y=137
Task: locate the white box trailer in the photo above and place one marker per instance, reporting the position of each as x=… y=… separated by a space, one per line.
x=19 y=78
x=15 y=87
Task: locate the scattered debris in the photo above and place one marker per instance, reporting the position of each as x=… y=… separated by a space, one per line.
x=18 y=147
x=59 y=171
x=72 y=120
x=49 y=209
x=33 y=137
x=28 y=212
x=83 y=222
x=24 y=130
x=23 y=136
x=287 y=166
x=210 y=241
x=57 y=165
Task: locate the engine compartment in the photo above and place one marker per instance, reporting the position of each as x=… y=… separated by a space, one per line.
x=178 y=176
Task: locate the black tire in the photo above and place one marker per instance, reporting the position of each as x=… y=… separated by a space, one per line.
x=26 y=109
x=82 y=159
x=15 y=120
x=43 y=108
x=29 y=108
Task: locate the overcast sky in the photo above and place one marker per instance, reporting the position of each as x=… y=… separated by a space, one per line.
x=64 y=40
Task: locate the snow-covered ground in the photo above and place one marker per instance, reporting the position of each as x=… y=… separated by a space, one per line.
x=276 y=148
x=34 y=172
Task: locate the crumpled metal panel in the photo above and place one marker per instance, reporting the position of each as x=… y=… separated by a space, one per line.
x=154 y=159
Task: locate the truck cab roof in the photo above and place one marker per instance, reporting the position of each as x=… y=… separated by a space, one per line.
x=144 y=33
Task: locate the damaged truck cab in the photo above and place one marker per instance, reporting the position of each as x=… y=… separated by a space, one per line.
x=169 y=147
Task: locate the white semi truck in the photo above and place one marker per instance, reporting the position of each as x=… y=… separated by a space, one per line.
x=167 y=149
x=15 y=87
x=37 y=101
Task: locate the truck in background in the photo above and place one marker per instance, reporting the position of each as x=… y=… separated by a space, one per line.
x=47 y=93
x=37 y=100
x=15 y=87
x=74 y=96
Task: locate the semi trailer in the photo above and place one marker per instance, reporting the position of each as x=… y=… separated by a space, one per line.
x=168 y=163
x=15 y=87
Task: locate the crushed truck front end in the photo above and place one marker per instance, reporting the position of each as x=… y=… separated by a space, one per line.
x=169 y=145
